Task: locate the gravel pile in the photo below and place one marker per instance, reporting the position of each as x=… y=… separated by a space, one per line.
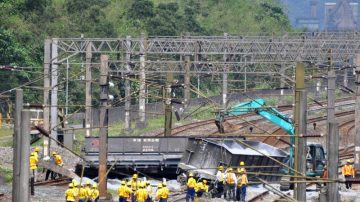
x=6 y=157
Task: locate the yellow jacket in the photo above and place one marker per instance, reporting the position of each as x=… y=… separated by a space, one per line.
x=128 y=192
x=33 y=162
x=58 y=160
x=135 y=185
x=141 y=195
x=158 y=194
x=122 y=190
x=88 y=192
x=348 y=170
x=36 y=155
x=164 y=193
x=94 y=194
x=82 y=193
x=191 y=183
x=201 y=186
x=69 y=194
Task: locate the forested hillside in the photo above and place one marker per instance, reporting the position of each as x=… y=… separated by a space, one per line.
x=24 y=24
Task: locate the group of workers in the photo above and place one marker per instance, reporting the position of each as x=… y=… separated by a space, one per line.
x=136 y=190
x=82 y=193
x=34 y=160
x=195 y=189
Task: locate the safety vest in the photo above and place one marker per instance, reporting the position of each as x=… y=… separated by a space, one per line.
x=135 y=185
x=230 y=178
x=141 y=195
x=33 y=162
x=158 y=193
x=82 y=193
x=76 y=191
x=164 y=193
x=122 y=190
x=36 y=155
x=58 y=160
x=242 y=180
x=88 y=191
x=348 y=170
x=128 y=192
x=69 y=194
x=191 y=183
x=94 y=194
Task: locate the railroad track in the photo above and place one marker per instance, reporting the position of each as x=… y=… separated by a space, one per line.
x=180 y=129
x=56 y=182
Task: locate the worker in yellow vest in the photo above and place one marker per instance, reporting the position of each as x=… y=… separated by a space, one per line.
x=33 y=165
x=348 y=172
x=95 y=193
x=59 y=162
x=122 y=191
x=36 y=152
x=230 y=179
x=82 y=193
x=201 y=188
x=242 y=166
x=158 y=192
x=164 y=193
x=69 y=194
x=141 y=194
x=242 y=182
x=128 y=192
x=135 y=183
x=191 y=184
x=220 y=182
x=88 y=190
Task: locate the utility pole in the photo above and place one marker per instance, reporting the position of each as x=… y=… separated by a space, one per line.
x=333 y=162
x=127 y=129
x=300 y=130
x=88 y=97
x=357 y=114
x=103 y=136
x=225 y=76
x=54 y=90
x=46 y=113
x=17 y=144
x=187 y=77
x=142 y=91
x=24 y=159
x=167 y=100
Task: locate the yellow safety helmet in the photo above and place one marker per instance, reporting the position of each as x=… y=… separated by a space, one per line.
x=128 y=184
x=348 y=161
x=242 y=170
x=123 y=182
x=191 y=175
x=147 y=183
x=37 y=149
x=53 y=153
x=221 y=168
x=88 y=182
x=164 y=184
x=204 y=181
x=74 y=181
x=143 y=184
x=71 y=185
x=135 y=176
x=242 y=163
x=32 y=154
x=94 y=185
x=159 y=185
x=230 y=169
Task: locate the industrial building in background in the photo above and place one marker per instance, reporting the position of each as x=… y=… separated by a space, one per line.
x=323 y=15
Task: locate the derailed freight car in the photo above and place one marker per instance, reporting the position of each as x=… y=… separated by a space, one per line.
x=203 y=156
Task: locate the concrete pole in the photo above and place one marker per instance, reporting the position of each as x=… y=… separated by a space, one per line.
x=333 y=162
x=167 y=99
x=300 y=129
x=127 y=89
x=25 y=154
x=142 y=91
x=88 y=94
x=47 y=58
x=54 y=89
x=225 y=77
x=103 y=135
x=187 y=78
x=330 y=105
x=17 y=144
x=357 y=114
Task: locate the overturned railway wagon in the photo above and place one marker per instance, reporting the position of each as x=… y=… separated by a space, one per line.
x=203 y=156
x=161 y=156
